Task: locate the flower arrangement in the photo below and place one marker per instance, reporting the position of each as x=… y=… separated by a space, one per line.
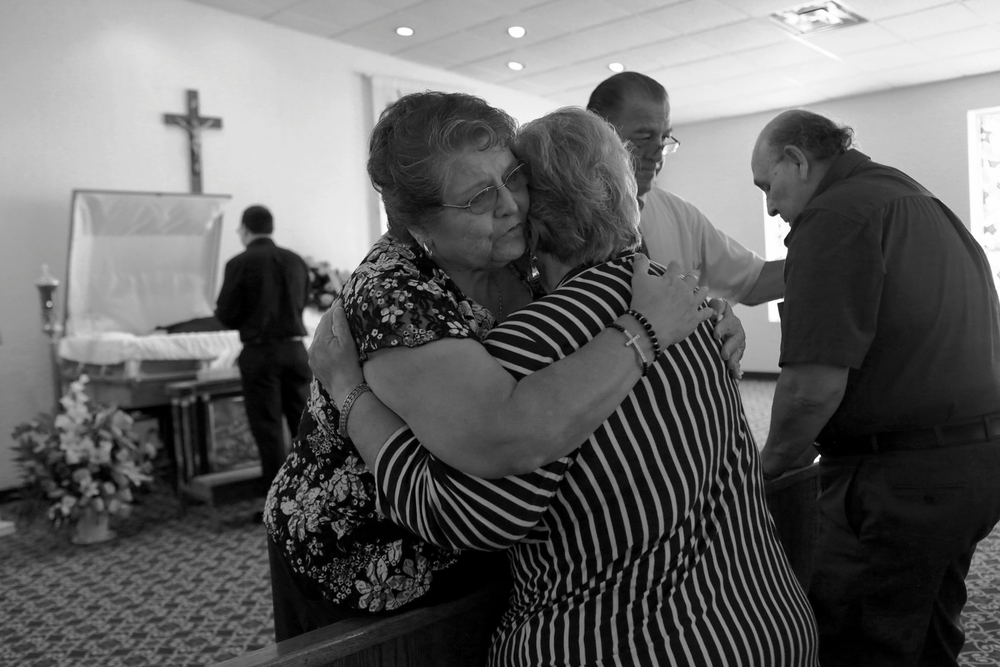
x=85 y=458
x=325 y=283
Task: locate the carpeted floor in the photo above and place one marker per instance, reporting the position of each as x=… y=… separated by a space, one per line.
x=172 y=592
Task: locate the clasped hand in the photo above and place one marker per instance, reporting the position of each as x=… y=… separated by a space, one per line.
x=673 y=304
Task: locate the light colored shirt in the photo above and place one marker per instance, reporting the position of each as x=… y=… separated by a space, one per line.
x=675 y=230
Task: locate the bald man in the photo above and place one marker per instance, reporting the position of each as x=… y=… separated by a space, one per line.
x=890 y=363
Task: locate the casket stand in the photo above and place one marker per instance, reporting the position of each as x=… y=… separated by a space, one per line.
x=140 y=292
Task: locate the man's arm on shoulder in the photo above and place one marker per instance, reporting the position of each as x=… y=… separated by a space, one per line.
x=770 y=284
x=805 y=398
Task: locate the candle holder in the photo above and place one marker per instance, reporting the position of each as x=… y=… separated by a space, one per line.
x=47 y=286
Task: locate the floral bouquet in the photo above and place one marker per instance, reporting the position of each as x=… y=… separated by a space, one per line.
x=325 y=283
x=85 y=458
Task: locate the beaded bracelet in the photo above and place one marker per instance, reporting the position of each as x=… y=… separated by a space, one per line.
x=633 y=340
x=348 y=404
x=649 y=330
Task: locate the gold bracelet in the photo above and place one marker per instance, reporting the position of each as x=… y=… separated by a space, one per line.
x=348 y=404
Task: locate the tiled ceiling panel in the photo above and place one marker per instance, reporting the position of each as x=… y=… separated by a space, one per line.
x=718 y=57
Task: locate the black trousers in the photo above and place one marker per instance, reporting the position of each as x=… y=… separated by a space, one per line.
x=897 y=534
x=276 y=379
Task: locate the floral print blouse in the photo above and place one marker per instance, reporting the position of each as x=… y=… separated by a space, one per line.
x=321 y=509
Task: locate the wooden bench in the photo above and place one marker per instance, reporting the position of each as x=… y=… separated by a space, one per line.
x=453 y=633
x=458 y=633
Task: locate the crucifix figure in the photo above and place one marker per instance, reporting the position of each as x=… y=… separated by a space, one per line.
x=193 y=124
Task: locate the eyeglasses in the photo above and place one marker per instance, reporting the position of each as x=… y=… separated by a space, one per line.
x=667 y=146
x=486 y=199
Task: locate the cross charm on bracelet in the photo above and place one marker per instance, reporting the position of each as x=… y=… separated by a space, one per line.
x=633 y=339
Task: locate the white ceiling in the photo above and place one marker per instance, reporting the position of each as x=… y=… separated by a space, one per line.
x=716 y=57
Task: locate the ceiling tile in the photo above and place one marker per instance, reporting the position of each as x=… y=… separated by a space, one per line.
x=576 y=14
x=565 y=78
x=695 y=16
x=988 y=10
x=985 y=38
x=343 y=13
x=720 y=69
x=677 y=51
x=877 y=10
x=818 y=70
x=254 y=8
x=753 y=83
x=761 y=8
x=625 y=34
x=697 y=95
x=887 y=58
x=446 y=51
x=780 y=54
x=380 y=34
x=395 y=4
x=937 y=21
x=539 y=30
x=916 y=74
x=856 y=38
x=748 y=34
x=305 y=24
x=977 y=63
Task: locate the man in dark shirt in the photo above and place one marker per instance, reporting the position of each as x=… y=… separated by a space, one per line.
x=890 y=363
x=263 y=295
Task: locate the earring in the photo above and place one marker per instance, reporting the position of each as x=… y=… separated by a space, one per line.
x=427 y=249
x=532 y=268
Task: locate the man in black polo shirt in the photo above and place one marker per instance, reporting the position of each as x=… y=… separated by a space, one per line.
x=263 y=295
x=890 y=362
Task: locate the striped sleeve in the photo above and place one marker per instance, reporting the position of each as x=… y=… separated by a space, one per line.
x=453 y=510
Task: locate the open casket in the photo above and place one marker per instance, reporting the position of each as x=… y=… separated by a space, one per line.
x=143 y=265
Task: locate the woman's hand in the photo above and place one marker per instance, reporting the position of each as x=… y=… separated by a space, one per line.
x=333 y=357
x=729 y=330
x=670 y=302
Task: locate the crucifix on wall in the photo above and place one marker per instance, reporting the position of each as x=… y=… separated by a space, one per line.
x=193 y=124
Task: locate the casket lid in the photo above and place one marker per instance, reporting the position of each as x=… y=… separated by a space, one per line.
x=139 y=261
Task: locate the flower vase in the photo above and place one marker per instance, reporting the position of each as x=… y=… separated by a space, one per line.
x=92 y=528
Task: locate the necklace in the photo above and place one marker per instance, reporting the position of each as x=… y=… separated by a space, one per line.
x=499 y=297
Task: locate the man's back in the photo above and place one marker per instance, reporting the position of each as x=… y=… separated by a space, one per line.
x=908 y=302
x=264 y=292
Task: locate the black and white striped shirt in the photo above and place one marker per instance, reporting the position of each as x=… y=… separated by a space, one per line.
x=657 y=547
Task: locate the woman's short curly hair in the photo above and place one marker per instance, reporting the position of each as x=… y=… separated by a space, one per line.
x=813 y=133
x=414 y=142
x=583 y=190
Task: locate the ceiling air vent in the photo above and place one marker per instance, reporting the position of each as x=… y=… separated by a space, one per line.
x=816 y=17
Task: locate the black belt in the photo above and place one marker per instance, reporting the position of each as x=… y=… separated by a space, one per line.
x=273 y=341
x=951 y=434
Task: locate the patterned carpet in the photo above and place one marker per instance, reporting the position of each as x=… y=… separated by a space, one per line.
x=171 y=592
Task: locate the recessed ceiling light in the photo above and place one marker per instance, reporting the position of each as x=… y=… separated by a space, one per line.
x=816 y=17
x=403 y=31
x=516 y=66
x=516 y=31
x=616 y=67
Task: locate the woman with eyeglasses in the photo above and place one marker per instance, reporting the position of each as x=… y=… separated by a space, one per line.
x=657 y=548
x=450 y=267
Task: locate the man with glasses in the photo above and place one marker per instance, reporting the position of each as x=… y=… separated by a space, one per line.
x=673 y=229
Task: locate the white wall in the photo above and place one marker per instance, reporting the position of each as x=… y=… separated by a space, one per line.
x=83 y=87
x=921 y=130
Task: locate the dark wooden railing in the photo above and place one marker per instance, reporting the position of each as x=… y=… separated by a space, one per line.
x=458 y=633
